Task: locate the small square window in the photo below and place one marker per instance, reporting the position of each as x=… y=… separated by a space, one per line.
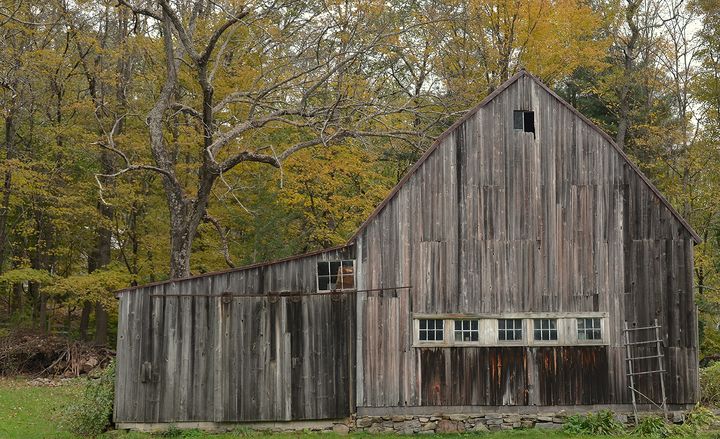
x=589 y=329
x=545 y=329
x=524 y=120
x=510 y=330
x=431 y=330
x=336 y=275
x=466 y=330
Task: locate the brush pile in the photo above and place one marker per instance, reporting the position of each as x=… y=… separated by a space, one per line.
x=30 y=353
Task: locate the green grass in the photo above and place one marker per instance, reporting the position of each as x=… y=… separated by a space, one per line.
x=30 y=412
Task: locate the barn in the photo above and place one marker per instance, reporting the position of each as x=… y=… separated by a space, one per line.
x=523 y=265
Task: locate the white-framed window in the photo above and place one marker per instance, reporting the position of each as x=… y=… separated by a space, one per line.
x=545 y=330
x=431 y=330
x=510 y=330
x=466 y=330
x=589 y=329
x=336 y=275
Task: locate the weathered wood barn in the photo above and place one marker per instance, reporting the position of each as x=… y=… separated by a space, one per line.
x=500 y=271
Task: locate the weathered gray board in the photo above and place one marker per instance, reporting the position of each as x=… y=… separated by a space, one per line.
x=497 y=220
x=491 y=221
x=188 y=354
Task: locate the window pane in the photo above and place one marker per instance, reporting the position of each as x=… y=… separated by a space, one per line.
x=334 y=266
x=529 y=122
x=323 y=268
x=430 y=330
x=458 y=325
x=348 y=263
x=517 y=120
x=323 y=282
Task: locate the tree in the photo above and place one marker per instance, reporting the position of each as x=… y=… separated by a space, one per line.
x=270 y=64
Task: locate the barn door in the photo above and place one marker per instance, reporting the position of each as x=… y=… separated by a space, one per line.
x=287 y=358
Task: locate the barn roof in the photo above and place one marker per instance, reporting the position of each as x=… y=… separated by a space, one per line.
x=470 y=113
x=484 y=102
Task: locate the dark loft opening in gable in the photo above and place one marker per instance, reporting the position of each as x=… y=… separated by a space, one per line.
x=524 y=120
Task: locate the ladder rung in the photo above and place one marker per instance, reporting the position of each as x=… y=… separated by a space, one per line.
x=647 y=372
x=642 y=342
x=644 y=358
x=642 y=328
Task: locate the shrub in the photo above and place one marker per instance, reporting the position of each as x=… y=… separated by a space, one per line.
x=602 y=423
x=710 y=384
x=698 y=419
x=652 y=426
x=92 y=414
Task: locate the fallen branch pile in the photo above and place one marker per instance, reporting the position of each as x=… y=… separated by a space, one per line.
x=47 y=355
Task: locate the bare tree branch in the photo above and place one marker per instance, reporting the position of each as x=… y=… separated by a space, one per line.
x=223 y=239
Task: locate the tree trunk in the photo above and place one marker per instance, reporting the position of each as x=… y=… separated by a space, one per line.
x=180 y=247
x=85 y=320
x=16 y=299
x=100 y=258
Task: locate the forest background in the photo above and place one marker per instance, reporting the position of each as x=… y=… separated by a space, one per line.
x=144 y=140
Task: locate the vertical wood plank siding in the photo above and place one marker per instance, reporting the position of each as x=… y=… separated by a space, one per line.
x=498 y=220
x=493 y=220
x=189 y=357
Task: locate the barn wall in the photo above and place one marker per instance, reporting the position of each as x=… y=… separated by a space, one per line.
x=186 y=354
x=498 y=220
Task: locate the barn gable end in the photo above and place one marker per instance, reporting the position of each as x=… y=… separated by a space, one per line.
x=498 y=221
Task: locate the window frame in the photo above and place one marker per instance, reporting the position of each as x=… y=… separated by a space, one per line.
x=463 y=331
x=549 y=330
x=330 y=275
x=489 y=333
x=590 y=341
x=417 y=328
x=524 y=121
x=522 y=329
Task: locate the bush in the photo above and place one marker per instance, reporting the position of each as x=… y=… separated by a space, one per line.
x=698 y=419
x=92 y=414
x=602 y=423
x=710 y=384
x=653 y=426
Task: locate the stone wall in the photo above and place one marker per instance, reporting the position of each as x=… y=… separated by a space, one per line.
x=418 y=424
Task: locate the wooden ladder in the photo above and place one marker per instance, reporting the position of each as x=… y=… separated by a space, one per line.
x=659 y=367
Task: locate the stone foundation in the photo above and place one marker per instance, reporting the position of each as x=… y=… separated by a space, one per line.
x=465 y=423
x=401 y=424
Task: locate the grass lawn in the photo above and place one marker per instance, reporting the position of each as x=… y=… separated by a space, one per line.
x=30 y=412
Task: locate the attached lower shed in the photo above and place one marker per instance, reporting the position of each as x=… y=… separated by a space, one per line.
x=500 y=274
